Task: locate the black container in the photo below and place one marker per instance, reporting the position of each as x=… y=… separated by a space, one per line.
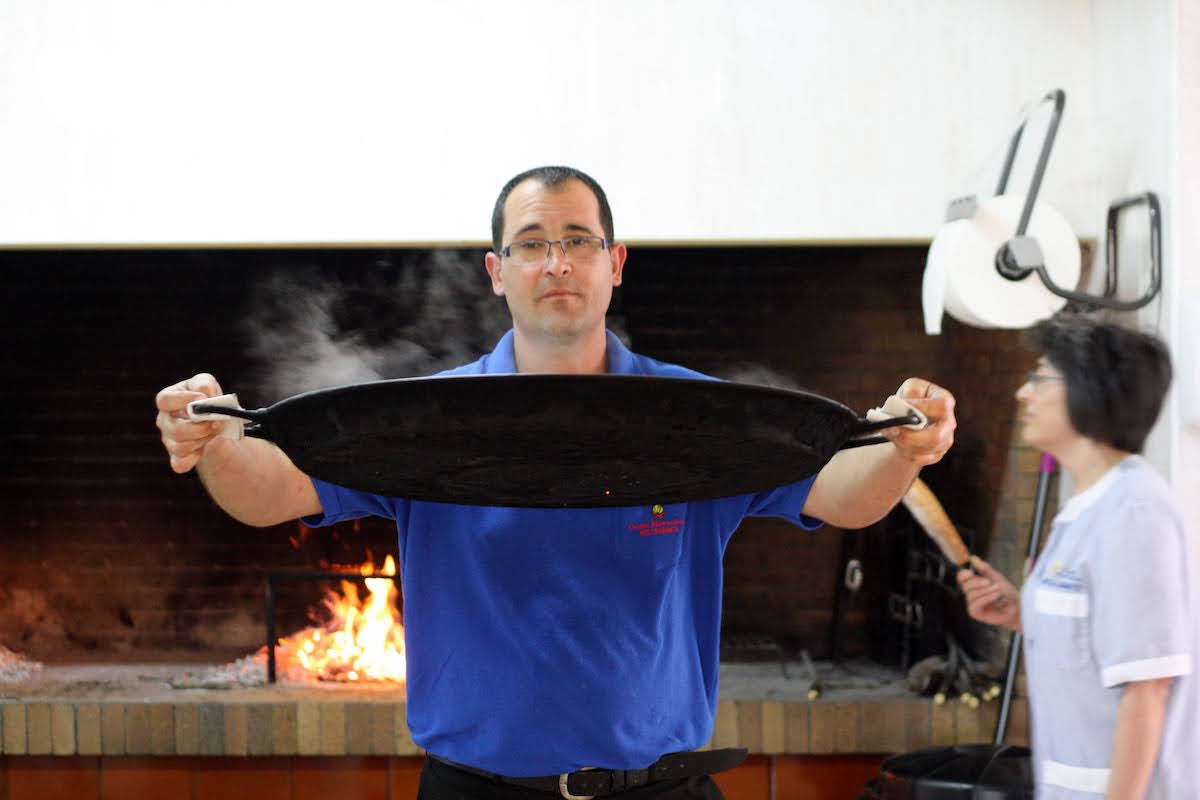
x=965 y=772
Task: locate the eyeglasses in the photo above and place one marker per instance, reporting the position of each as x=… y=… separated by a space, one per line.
x=1036 y=379
x=537 y=251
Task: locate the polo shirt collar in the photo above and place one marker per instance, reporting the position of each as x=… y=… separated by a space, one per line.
x=502 y=360
x=620 y=360
x=1090 y=496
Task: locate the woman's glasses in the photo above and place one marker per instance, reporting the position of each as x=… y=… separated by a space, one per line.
x=1036 y=379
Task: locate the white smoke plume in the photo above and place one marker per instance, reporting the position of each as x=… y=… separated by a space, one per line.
x=408 y=314
x=758 y=375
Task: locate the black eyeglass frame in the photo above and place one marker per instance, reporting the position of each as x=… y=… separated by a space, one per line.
x=506 y=251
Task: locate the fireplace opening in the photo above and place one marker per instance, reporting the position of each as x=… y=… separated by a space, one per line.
x=108 y=556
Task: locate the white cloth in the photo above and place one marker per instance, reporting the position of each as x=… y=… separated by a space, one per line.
x=897 y=406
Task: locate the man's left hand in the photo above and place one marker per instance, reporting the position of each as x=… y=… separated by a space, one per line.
x=928 y=445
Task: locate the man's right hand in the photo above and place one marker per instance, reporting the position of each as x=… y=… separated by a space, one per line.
x=991 y=598
x=186 y=441
x=251 y=479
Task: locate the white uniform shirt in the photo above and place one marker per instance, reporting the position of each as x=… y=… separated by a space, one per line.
x=1112 y=599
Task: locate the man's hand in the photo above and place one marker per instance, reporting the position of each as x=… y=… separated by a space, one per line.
x=991 y=598
x=928 y=445
x=859 y=487
x=251 y=479
x=185 y=441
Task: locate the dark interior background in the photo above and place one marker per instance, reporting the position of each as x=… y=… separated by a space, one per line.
x=106 y=554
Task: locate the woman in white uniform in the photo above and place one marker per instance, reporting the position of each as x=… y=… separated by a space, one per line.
x=1109 y=612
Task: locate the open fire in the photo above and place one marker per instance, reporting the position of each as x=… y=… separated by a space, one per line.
x=362 y=641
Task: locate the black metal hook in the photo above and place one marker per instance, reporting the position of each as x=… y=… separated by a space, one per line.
x=1022 y=255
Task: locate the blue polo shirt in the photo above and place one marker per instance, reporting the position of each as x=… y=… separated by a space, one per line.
x=541 y=641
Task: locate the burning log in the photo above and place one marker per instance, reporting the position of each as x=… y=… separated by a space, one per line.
x=362 y=641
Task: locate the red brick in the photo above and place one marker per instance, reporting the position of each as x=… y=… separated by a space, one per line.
x=404 y=777
x=823 y=777
x=343 y=778
x=243 y=779
x=53 y=778
x=158 y=778
x=749 y=781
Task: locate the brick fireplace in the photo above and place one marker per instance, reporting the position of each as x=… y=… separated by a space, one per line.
x=110 y=558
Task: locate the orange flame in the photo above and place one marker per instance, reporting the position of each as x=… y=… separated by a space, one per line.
x=363 y=641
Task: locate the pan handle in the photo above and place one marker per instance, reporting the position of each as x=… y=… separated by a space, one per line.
x=253 y=415
x=256 y=417
x=865 y=426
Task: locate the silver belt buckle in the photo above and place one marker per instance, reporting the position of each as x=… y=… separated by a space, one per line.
x=565 y=792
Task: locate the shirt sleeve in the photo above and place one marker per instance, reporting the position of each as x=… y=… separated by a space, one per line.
x=786 y=502
x=339 y=504
x=1141 y=614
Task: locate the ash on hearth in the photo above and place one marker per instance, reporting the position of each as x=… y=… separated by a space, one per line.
x=15 y=667
x=251 y=670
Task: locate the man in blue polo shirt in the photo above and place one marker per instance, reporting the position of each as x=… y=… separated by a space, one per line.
x=566 y=652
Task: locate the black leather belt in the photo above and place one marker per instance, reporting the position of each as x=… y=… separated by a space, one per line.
x=587 y=783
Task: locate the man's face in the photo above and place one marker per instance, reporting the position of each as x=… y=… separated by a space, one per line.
x=560 y=297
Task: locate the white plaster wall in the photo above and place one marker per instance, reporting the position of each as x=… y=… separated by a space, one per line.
x=1185 y=410
x=1147 y=58
x=232 y=121
x=1134 y=57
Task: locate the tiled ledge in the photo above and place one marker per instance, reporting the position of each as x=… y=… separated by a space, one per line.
x=858 y=726
x=344 y=727
x=325 y=728
x=78 y=717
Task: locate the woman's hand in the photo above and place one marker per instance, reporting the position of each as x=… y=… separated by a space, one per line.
x=991 y=598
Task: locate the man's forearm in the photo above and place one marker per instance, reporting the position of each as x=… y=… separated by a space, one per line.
x=859 y=487
x=1137 y=737
x=256 y=483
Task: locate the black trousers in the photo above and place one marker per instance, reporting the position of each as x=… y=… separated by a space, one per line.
x=440 y=781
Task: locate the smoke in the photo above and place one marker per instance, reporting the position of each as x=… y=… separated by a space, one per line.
x=404 y=315
x=312 y=327
x=757 y=374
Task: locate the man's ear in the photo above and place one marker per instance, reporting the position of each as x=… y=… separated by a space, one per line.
x=617 y=257
x=491 y=262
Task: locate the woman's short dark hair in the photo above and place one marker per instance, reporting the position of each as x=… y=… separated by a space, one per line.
x=550 y=176
x=1116 y=377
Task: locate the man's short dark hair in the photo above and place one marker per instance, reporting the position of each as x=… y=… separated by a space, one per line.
x=550 y=176
x=1116 y=378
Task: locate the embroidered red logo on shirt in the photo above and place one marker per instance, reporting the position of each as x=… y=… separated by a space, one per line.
x=657 y=527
